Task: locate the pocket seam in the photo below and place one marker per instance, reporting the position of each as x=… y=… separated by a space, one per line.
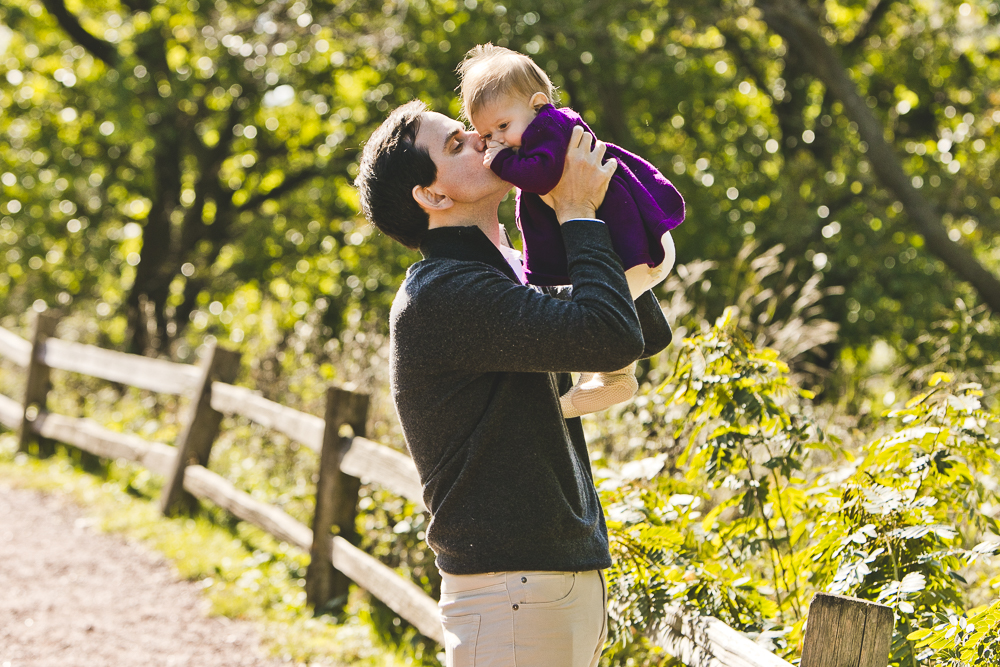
x=557 y=600
x=463 y=621
x=459 y=595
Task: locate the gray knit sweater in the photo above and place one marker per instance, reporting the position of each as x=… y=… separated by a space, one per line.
x=474 y=361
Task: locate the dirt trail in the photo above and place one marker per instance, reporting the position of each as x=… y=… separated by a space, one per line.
x=71 y=596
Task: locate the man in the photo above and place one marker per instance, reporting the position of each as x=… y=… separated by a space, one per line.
x=517 y=525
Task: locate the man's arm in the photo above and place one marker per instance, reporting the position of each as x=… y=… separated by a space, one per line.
x=496 y=325
x=656 y=333
x=653 y=323
x=464 y=317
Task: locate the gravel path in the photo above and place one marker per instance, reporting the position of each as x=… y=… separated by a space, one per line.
x=71 y=596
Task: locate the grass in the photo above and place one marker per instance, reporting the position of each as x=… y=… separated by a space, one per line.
x=246 y=574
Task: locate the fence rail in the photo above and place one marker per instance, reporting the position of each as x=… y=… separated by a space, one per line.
x=11 y=412
x=14 y=348
x=165 y=377
x=301 y=427
x=346 y=461
x=355 y=456
x=362 y=458
x=708 y=642
x=90 y=436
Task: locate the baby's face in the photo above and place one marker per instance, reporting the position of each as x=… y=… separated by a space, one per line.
x=504 y=121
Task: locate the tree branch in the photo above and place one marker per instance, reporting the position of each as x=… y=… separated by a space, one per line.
x=139 y=5
x=289 y=184
x=875 y=14
x=790 y=20
x=207 y=186
x=103 y=51
x=743 y=58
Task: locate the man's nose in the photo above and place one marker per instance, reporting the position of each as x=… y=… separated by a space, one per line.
x=478 y=144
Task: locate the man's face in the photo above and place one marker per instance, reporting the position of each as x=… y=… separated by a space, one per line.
x=458 y=156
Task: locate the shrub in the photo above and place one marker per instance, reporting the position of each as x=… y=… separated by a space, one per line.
x=755 y=509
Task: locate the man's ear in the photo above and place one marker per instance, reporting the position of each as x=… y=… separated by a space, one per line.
x=430 y=199
x=538 y=100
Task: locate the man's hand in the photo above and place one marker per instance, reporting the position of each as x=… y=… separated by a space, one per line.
x=493 y=147
x=584 y=181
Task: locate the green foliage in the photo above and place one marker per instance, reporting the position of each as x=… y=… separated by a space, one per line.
x=189 y=164
x=971 y=640
x=393 y=530
x=761 y=509
x=146 y=164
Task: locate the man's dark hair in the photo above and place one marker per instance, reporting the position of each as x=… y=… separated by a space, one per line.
x=391 y=165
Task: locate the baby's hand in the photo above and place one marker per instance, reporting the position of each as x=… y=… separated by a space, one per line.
x=493 y=147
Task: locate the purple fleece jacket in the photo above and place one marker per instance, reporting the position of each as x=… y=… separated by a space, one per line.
x=641 y=205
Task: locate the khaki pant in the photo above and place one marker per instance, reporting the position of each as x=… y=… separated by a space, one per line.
x=524 y=619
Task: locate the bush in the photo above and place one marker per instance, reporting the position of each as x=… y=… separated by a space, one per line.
x=755 y=509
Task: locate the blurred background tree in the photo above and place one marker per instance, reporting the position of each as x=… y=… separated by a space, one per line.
x=164 y=156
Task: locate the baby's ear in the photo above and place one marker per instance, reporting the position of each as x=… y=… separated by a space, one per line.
x=538 y=100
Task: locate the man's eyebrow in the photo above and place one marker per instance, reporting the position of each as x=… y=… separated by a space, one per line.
x=451 y=135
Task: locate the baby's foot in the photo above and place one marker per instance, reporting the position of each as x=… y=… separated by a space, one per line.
x=597 y=391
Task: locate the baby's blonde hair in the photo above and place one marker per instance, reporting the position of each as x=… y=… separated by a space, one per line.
x=489 y=72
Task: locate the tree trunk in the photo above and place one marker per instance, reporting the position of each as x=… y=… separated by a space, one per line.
x=791 y=20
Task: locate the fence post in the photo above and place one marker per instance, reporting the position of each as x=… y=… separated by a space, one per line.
x=37 y=386
x=201 y=425
x=847 y=632
x=336 y=499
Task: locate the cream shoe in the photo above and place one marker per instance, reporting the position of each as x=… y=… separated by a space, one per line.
x=598 y=391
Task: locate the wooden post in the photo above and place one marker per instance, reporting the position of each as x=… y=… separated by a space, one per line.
x=37 y=386
x=201 y=425
x=336 y=499
x=847 y=632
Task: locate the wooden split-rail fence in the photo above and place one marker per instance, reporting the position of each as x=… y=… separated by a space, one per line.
x=842 y=632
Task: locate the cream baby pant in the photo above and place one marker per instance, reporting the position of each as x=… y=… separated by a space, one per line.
x=524 y=619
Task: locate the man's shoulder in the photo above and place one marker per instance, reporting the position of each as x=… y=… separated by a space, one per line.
x=443 y=280
x=439 y=270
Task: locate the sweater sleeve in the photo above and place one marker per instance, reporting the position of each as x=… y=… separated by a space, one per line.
x=471 y=318
x=656 y=333
x=538 y=165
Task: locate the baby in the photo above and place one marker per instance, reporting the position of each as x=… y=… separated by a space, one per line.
x=511 y=103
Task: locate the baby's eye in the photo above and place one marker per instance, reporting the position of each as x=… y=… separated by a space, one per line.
x=503 y=126
x=487 y=136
